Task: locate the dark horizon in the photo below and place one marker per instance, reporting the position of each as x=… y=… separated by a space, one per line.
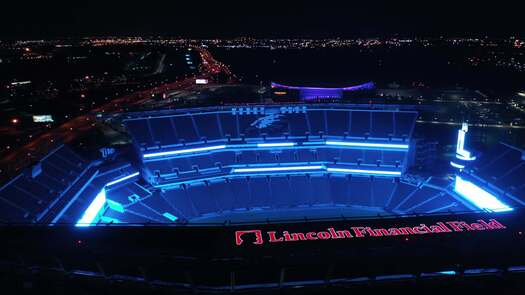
x=263 y=19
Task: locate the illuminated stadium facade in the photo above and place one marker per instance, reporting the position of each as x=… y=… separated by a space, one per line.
x=244 y=176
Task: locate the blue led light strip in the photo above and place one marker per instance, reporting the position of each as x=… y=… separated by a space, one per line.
x=364 y=171
x=456 y=165
x=276 y=169
x=93 y=210
x=349 y=144
x=368 y=144
x=122 y=179
x=478 y=196
x=316 y=167
x=170 y=216
x=98 y=203
x=276 y=144
x=185 y=151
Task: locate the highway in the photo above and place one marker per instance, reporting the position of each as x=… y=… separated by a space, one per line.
x=13 y=162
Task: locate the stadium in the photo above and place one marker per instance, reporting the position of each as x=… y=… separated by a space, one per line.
x=250 y=197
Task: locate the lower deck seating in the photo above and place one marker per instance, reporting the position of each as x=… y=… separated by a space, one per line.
x=28 y=195
x=284 y=192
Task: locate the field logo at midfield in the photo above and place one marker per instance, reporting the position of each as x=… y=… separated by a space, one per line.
x=258 y=237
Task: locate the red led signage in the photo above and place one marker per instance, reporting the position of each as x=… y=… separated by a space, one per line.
x=258 y=237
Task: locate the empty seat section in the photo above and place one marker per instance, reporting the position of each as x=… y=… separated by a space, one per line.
x=337 y=122
x=317 y=122
x=202 y=161
x=127 y=217
x=55 y=185
x=401 y=192
x=229 y=125
x=297 y=124
x=21 y=200
x=140 y=132
x=33 y=188
x=259 y=192
x=267 y=157
x=328 y=154
x=286 y=156
x=11 y=212
x=224 y=158
x=382 y=189
x=501 y=166
x=162 y=131
x=222 y=191
x=321 y=189
x=182 y=164
x=392 y=157
x=404 y=123
x=184 y=127
x=56 y=173
x=361 y=191
x=416 y=199
x=280 y=192
x=145 y=212
x=139 y=190
x=178 y=198
x=489 y=157
x=159 y=204
x=338 y=189
x=204 y=202
x=64 y=164
x=162 y=166
x=382 y=124
x=360 y=125
x=513 y=178
x=351 y=155
x=302 y=189
x=208 y=125
x=371 y=156
x=440 y=202
x=246 y=157
x=305 y=155
x=120 y=194
x=241 y=192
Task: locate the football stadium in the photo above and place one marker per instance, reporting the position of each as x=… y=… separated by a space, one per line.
x=267 y=197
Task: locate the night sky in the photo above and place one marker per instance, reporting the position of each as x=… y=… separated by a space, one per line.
x=192 y=18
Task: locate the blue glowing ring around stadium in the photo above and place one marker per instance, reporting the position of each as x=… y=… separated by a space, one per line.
x=342 y=144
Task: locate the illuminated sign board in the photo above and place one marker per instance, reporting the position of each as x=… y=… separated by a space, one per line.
x=259 y=237
x=461 y=152
x=201 y=81
x=42 y=119
x=18 y=83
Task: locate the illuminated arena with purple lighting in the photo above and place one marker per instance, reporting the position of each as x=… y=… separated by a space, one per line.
x=315 y=93
x=232 y=173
